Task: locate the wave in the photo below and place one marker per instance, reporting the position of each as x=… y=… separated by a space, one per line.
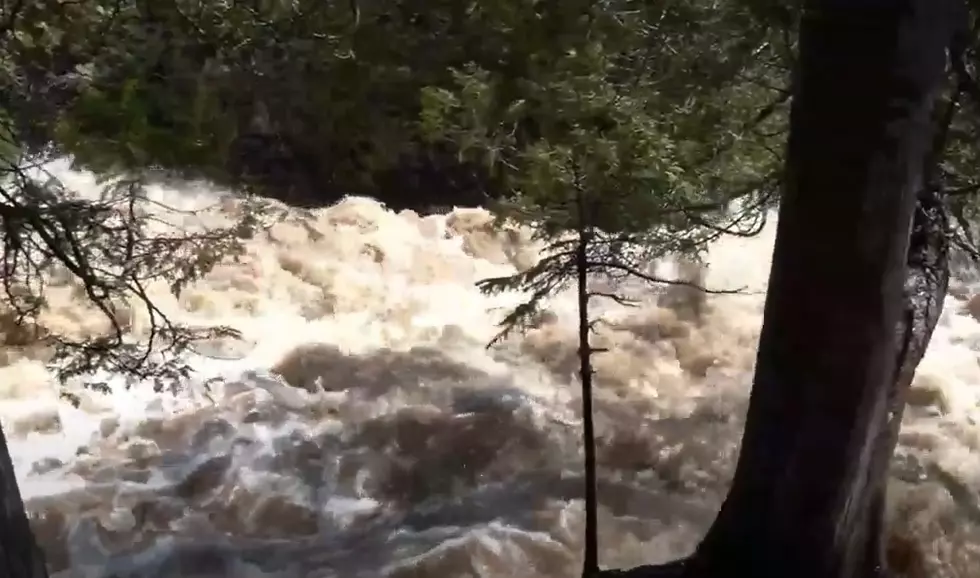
x=361 y=427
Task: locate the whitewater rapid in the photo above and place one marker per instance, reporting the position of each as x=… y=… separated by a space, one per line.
x=361 y=428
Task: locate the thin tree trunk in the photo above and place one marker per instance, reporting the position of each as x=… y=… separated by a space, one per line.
x=926 y=284
x=807 y=497
x=19 y=555
x=590 y=563
x=925 y=292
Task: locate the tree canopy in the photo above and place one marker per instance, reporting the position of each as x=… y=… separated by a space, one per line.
x=301 y=98
x=663 y=114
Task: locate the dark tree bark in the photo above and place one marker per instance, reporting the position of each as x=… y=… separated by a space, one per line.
x=20 y=556
x=808 y=493
x=806 y=498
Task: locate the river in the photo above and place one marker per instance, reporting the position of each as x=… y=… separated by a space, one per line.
x=362 y=428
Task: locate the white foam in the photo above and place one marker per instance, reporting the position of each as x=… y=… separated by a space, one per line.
x=383 y=444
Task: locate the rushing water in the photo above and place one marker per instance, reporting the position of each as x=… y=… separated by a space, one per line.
x=362 y=429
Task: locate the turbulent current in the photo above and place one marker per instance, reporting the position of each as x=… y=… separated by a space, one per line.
x=362 y=428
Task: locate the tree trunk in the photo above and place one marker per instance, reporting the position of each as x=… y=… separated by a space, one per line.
x=19 y=555
x=808 y=493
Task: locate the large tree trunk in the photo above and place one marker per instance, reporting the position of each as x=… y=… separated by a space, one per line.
x=807 y=496
x=19 y=555
x=925 y=291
